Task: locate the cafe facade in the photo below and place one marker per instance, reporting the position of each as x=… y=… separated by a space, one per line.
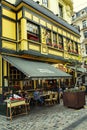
x=32 y=40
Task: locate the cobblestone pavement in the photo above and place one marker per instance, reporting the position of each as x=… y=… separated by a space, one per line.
x=55 y=117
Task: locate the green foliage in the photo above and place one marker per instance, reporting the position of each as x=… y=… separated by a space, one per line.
x=76 y=89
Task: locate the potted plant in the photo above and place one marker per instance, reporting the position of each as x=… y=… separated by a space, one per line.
x=74 y=98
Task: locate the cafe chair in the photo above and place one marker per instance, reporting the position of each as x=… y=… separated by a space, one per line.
x=48 y=99
x=28 y=104
x=55 y=98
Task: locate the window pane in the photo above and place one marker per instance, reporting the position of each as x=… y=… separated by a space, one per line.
x=85 y=34
x=32 y=32
x=54 y=38
x=86 y=48
x=45 y=3
x=60 y=41
x=32 y=28
x=48 y=37
x=60 y=10
x=84 y=23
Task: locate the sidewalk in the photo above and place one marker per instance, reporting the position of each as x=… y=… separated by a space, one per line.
x=55 y=117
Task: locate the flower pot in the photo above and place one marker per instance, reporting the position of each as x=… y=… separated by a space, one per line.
x=74 y=100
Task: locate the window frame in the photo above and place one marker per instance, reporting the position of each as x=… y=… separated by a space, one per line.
x=48 y=37
x=45 y=3
x=86 y=48
x=60 y=45
x=84 y=23
x=60 y=10
x=33 y=32
x=55 y=44
x=85 y=34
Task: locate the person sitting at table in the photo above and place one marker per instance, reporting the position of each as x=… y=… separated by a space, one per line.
x=10 y=94
x=37 y=97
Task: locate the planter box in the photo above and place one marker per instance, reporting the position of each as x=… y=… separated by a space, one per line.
x=74 y=99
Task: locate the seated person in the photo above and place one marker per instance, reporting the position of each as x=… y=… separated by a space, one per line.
x=37 y=96
x=10 y=94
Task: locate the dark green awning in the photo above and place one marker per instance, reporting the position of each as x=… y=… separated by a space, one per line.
x=79 y=69
x=35 y=70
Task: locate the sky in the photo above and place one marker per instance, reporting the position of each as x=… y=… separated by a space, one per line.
x=79 y=4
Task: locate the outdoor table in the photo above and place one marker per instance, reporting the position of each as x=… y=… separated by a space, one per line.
x=14 y=106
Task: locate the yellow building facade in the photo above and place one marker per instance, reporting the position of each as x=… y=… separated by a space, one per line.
x=31 y=32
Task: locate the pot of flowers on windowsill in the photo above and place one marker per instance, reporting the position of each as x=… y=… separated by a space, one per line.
x=74 y=98
x=49 y=44
x=55 y=45
x=60 y=47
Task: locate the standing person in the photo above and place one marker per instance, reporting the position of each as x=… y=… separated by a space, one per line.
x=62 y=85
x=54 y=86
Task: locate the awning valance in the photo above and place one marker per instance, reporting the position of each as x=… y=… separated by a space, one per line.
x=36 y=70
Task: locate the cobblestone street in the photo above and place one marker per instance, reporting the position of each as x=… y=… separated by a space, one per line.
x=55 y=117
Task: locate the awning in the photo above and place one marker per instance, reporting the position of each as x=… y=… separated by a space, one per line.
x=79 y=69
x=35 y=70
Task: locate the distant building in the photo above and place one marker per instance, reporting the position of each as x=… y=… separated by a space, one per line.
x=79 y=20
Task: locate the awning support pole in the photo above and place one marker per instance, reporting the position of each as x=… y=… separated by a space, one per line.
x=34 y=84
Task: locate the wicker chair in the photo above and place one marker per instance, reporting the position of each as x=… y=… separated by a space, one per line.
x=48 y=99
x=55 y=98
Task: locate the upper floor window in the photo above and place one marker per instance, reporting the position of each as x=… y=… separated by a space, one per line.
x=32 y=31
x=74 y=16
x=85 y=34
x=76 y=48
x=60 y=37
x=60 y=10
x=55 y=39
x=86 y=48
x=48 y=38
x=69 y=45
x=84 y=23
x=82 y=12
x=45 y=3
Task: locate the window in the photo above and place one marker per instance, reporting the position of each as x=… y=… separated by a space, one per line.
x=83 y=12
x=84 y=23
x=19 y=30
x=74 y=16
x=60 y=37
x=86 y=48
x=32 y=32
x=48 y=38
x=15 y=76
x=61 y=10
x=69 y=45
x=76 y=48
x=85 y=34
x=45 y=3
x=55 y=40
